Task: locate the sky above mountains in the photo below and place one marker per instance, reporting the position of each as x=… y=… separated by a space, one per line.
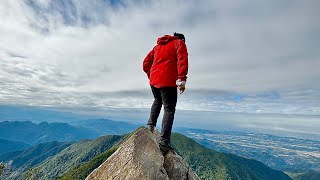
x=244 y=56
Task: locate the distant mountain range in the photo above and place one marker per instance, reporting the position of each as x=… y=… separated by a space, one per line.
x=32 y=133
x=79 y=159
x=48 y=139
x=7 y=145
x=19 y=135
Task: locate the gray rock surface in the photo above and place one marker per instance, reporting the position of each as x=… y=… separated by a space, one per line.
x=139 y=158
x=176 y=167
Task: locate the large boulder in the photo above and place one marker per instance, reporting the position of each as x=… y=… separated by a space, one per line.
x=140 y=158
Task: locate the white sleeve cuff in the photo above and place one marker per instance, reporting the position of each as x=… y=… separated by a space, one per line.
x=180 y=83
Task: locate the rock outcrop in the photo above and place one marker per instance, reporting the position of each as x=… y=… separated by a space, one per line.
x=140 y=158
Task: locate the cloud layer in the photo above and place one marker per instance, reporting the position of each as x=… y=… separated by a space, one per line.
x=88 y=53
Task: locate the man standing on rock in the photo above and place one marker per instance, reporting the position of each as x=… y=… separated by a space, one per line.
x=166 y=66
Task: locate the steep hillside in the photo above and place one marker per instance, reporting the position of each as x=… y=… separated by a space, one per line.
x=309 y=175
x=22 y=160
x=83 y=170
x=209 y=164
x=75 y=155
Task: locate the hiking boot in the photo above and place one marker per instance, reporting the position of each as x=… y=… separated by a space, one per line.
x=151 y=128
x=165 y=147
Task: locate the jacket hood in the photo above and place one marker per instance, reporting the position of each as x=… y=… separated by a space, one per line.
x=165 y=39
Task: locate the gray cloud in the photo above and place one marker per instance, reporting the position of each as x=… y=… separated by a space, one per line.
x=75 y=53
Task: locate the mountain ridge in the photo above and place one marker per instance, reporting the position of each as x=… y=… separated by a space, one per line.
x=32 y=133
x=78 y=160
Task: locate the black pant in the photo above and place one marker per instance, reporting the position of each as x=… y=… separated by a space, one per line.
x=168 y=97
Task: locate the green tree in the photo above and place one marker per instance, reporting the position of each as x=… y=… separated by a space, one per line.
x=1 y=168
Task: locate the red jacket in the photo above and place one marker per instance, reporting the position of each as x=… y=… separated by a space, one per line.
x=167 y=62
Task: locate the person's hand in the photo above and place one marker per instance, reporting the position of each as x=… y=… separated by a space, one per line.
x=182 y=88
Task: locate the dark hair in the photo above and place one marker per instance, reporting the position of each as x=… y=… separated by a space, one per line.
x=180 y=36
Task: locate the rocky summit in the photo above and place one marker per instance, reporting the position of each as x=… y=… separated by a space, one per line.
x=140 y=158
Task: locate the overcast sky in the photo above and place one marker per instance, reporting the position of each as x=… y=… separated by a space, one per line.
x=244 y=56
